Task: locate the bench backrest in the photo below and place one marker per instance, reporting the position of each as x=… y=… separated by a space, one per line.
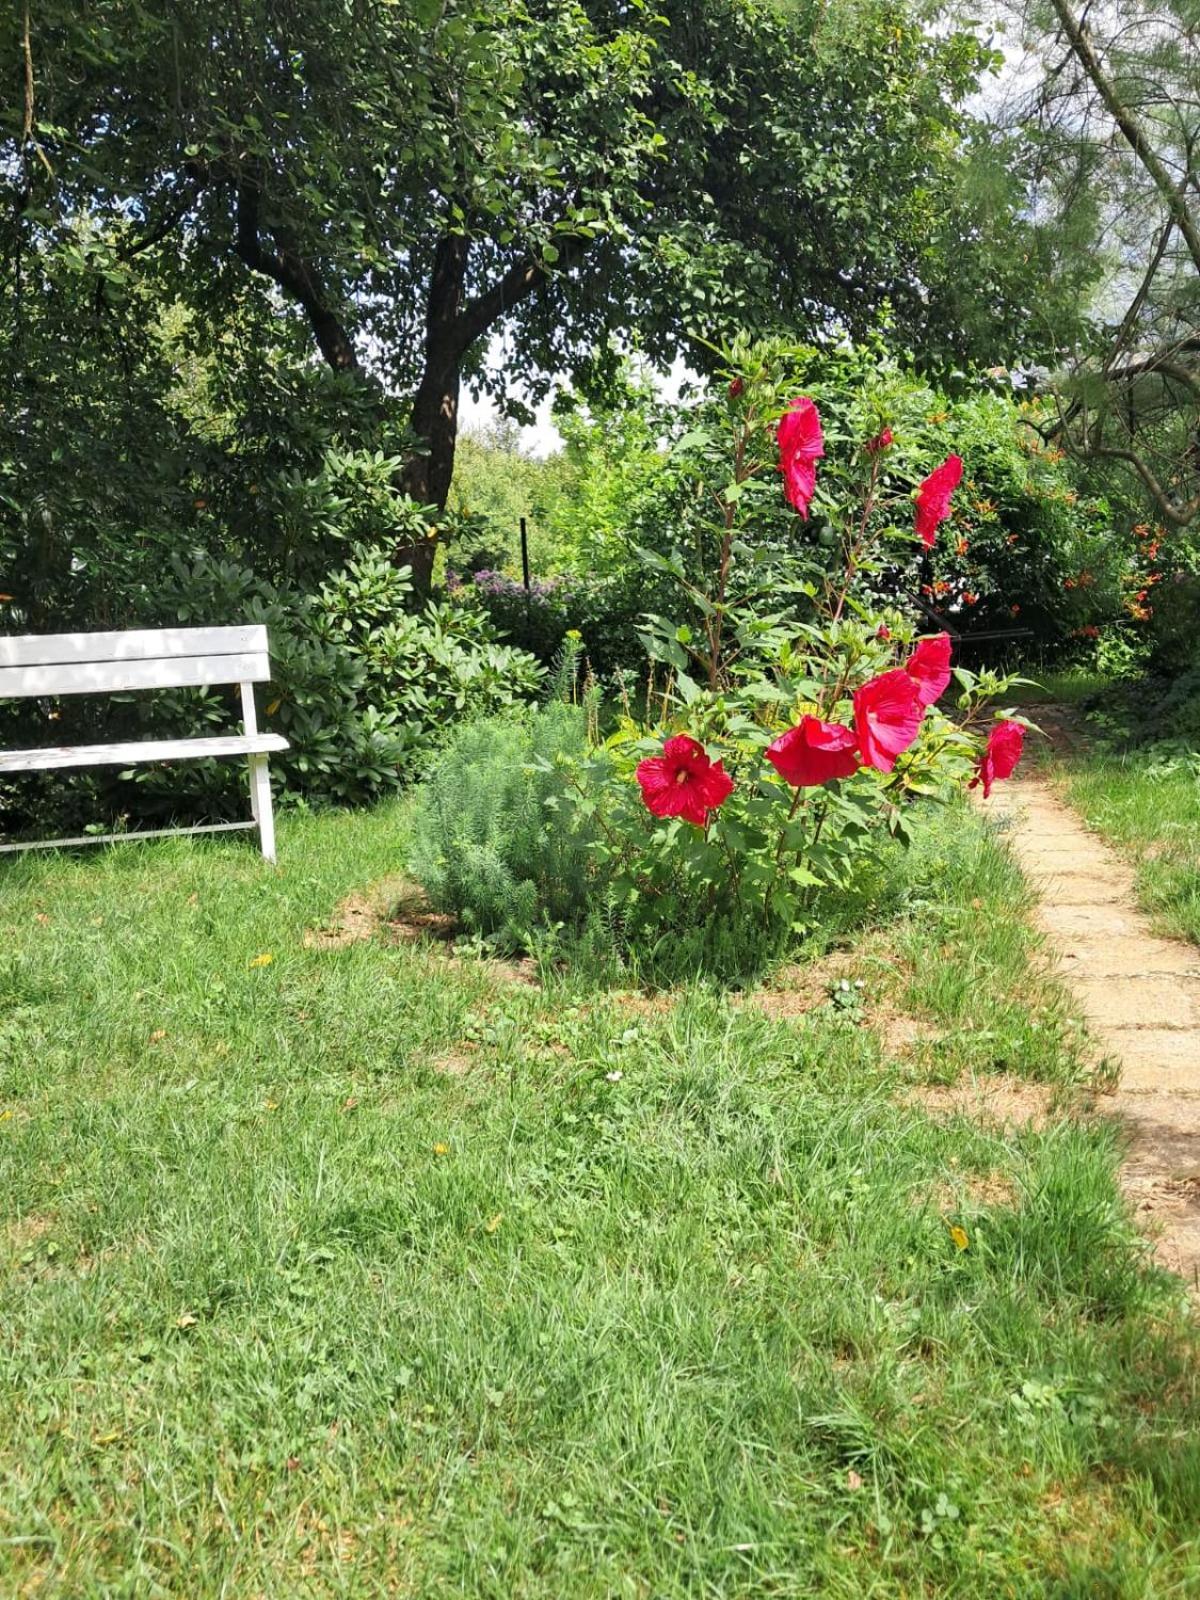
x=151 y=658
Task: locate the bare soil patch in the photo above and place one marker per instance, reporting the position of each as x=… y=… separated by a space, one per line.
x=873 y=970
x=396 y=908
x=975 y=1189
x=361 y=914
x=457 y=1062
x=801 y=987
x=24 y=1232
x=997 y=1101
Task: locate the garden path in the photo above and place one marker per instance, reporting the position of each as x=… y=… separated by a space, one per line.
x=1140 y=995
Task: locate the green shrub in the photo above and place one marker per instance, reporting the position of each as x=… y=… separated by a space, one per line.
x=1174 y=624
x=493 y=841
x=607 y=613
x=778 y=765
x=363 y=689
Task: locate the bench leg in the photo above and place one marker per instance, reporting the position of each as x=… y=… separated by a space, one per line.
x=260 y=804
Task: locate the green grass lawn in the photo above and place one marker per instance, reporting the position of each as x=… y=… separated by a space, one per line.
x=361 y=1272
x=1149 y=806
x=1064 y=686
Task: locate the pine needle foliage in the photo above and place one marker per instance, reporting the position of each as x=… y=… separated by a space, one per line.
x=493 y=842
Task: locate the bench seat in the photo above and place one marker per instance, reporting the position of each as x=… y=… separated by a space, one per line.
x=44 y=666
x=139 y=750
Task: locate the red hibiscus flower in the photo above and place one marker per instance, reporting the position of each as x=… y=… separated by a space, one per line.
x=800 y=448
x=933 y=497
x=1004 y=746
x=880 y=442
x=683 y=782
x=929 y=667
x=887 y=715
x=813 y=752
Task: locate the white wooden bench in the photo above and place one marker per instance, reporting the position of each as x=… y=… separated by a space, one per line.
x=159 y=658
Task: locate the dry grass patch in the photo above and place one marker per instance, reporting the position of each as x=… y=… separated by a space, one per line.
x=875 y=973
x=397 y=907
x=997 y=1101
x=361 y=914
x=456 y=1062
x=22 y=1233
x=974 y=1191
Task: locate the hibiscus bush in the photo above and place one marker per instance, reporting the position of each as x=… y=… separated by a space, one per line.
x=784 y=739
x=1024 y=551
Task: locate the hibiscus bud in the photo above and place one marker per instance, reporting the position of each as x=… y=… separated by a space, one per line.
x=736 y=388
x=881 y=441
x=883 y=631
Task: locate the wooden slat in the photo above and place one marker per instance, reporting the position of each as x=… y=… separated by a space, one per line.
x=111 y=677
x=141 y=750
x=126 y=838
x=138 y=644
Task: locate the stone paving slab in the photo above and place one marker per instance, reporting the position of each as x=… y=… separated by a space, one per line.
x=1069 y=921
x=1111 y=954
x=1124 y=1000
x=1140 y=995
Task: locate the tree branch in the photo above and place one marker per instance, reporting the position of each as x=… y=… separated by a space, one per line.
x=286 y=267
x=1175 y=370
x=1134 y=134
x=167 y=226
x=521 y=280
x=1139 y=299
x=1178 y=513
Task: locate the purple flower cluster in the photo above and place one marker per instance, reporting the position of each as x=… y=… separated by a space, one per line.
x=496 y=583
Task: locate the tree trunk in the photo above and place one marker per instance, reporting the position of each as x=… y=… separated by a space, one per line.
x=452 y=325
x=427 y=476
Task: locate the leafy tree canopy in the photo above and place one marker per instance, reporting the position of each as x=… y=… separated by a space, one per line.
x=406 y=177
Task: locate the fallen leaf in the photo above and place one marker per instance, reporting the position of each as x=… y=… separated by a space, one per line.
x=441 y=1149
x=158 y=1036
x=108 y=1438
x=853 y=1481
x=349 y=1103
x=41 y=917
x=959 y=1235
x=263 y=960
x=187 y=1320
x=6 y=1115
x=271 y=1105
x=493 y=1223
